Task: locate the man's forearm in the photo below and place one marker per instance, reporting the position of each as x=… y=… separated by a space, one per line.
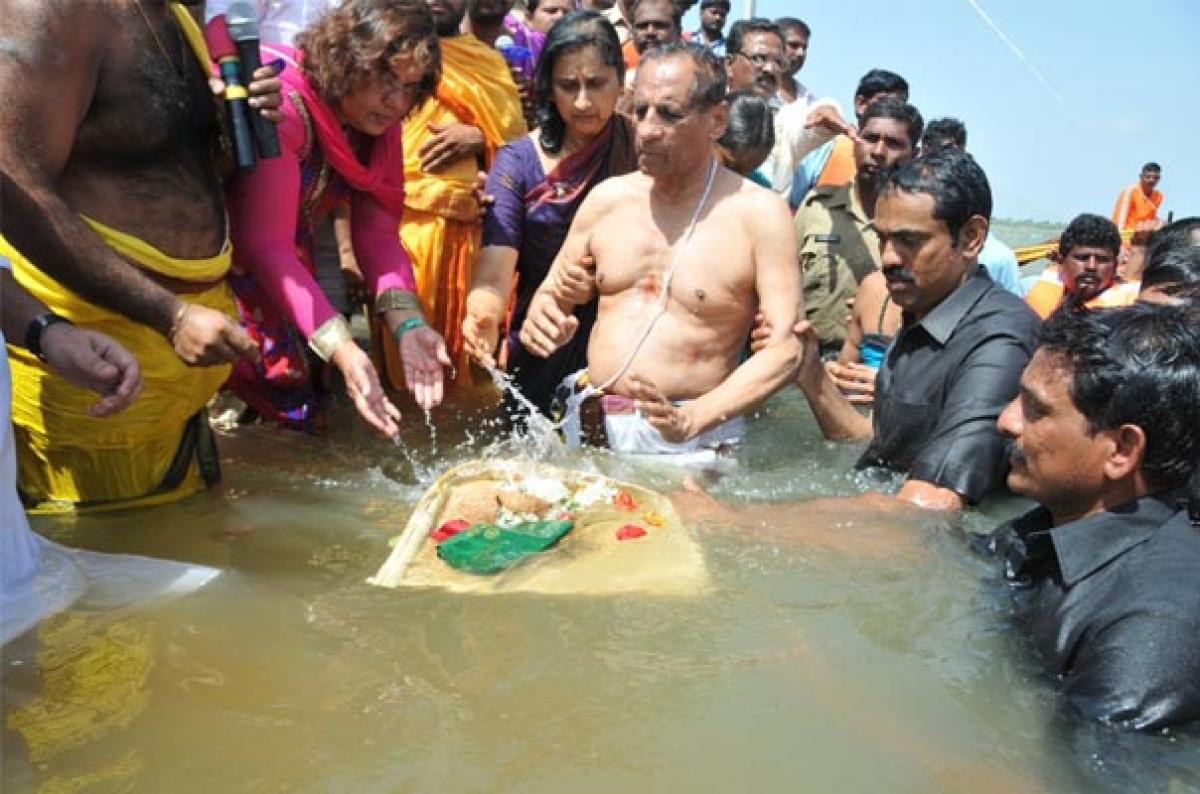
x=17 y=308
x=38 y=223
x=838 y=419
x=760 y=376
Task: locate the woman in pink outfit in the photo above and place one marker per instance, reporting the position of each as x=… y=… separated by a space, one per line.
x=356 y=74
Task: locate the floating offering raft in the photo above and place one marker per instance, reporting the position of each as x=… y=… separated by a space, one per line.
x=505 y=526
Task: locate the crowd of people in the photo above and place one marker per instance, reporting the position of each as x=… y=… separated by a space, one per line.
x=651 y=230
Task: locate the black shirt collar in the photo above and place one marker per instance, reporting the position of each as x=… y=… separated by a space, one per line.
x=1083 y=547
x=945 y=317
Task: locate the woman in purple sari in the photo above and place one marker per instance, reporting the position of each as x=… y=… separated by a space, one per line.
x=538 y=182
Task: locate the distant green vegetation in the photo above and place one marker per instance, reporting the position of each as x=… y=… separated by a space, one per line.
x=1016 y=234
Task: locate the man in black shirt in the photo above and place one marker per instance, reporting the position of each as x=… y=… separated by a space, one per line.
x=958 y=356
x=1106 y=570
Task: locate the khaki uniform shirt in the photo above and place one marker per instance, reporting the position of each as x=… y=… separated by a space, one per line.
x=838 y=248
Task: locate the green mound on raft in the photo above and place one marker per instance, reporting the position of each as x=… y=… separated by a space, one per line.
x=488 y=549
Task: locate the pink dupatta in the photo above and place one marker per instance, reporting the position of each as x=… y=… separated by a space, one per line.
x=383 y=176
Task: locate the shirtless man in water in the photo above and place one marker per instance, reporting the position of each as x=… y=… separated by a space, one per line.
x=108 y=115
x=719 y=245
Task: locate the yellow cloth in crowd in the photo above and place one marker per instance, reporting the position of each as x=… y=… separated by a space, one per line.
x=441 y=227
x=1047 y=293
x=1134 y=206
x=66 y=456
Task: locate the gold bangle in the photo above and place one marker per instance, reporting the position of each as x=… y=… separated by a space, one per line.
x=332 y=334
x=396 y=299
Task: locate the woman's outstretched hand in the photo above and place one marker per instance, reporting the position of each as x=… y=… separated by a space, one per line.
x=423 y=352
x=365 y=390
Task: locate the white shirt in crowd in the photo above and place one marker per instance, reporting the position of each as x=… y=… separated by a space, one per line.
x=279 y=20
x=793 y=140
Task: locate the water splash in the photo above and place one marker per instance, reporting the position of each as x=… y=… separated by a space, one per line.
x=418 y=471
x=433 y=438
x=539 y=430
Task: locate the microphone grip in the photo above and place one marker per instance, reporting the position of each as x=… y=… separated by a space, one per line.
x=264 y=130
x=239 y=113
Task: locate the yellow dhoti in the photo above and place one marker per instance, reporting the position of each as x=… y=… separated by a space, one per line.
x=146 y=454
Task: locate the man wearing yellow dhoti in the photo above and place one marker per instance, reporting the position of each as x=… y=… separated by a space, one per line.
x=475 y=111
x=114 y=217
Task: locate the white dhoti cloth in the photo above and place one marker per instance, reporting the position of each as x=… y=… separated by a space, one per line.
x=629 y=432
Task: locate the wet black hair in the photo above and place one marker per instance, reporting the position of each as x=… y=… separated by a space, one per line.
x=751 y=123
x=792 y=23
x=743 y=28
x=573 y=32
x=1177 y=234
x=957 y=184
x=1175 y=271
x=710 y=85
x=1137 y=365
x=946 y=131
x=890 y=107
x=1092 y=231
x=880 y=81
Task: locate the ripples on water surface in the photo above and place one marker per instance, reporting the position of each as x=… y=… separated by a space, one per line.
x=805 y=669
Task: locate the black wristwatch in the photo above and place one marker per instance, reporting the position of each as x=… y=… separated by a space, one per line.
x=37 y=327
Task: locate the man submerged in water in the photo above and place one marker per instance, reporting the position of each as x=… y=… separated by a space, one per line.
x=1105 y=433
x=685 y=252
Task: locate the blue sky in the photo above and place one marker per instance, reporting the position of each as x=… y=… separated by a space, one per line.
x=1122 y=88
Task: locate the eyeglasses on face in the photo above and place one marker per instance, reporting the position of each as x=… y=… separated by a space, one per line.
x=761 y=60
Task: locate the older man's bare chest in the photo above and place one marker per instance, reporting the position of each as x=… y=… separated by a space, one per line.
x=637 y=254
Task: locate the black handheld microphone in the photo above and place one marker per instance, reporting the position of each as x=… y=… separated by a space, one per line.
x=221 y=48
x=242 y=21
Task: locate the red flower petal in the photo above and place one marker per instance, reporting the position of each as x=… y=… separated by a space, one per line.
x=630 y=532
x=449 y=530
x=624 y=501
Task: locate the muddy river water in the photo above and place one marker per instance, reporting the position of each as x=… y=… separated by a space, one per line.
x=890 y=665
